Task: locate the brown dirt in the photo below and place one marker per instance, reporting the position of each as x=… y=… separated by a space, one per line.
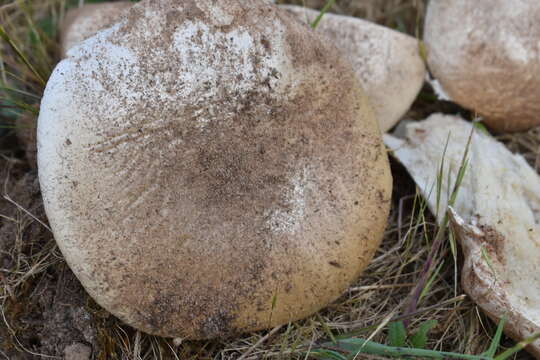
x=47 y=311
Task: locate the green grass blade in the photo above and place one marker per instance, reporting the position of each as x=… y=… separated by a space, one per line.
x=487 y=259
x=326 y=328
x=358 y=346
x=430 y=281
x=21 y=105
x=518 y=347
x=462 y=170
x=397 y=335
x=494 y=345
x=440 y=176
x=480 y=127
x=20 y=92
x=6 y=38
x=324 y=10
x=419 y=339
x=324 y=354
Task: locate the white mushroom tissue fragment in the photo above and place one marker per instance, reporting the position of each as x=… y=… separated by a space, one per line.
x=496 y=215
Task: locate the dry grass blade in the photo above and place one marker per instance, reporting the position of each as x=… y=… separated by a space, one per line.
x=27 y=212
x=4 y=35
x=259 y=342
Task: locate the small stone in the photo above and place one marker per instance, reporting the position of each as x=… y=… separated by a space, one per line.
x=177 y=342
x=77 y=351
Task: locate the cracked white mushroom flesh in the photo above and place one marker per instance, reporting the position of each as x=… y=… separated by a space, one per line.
x=83 y=22
x=210 y=168
x=387 y=62
x=486 y=56
x=496 y=215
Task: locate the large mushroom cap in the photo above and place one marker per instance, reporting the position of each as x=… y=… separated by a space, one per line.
x=210 y=168
x=387 y=62
x=486 y=55
x=83 y=22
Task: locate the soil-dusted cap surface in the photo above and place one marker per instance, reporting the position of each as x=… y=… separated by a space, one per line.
x=210 y=168
x=387 y=62
x=486 y=55
x=83 y=22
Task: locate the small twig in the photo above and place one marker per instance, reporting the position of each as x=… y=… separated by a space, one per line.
x=27 y=212
x=7 y=218
x=310 y=345
x=380 y=287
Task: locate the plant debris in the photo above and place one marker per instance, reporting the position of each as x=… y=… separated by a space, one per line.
x=495 y=215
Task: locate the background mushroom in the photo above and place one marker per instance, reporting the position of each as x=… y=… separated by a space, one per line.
x=82 y=22
x=495 y=214
x=486 y=56
x=387 y=62
x=211 y=168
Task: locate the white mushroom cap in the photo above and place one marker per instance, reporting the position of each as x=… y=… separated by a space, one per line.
x=486 y=56
x=83 y=22
x=211 y=168
x=496 y=215
x=387 y=62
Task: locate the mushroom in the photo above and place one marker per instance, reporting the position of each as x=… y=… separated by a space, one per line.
x=486 y=56
x=496 y=215
x=83 y=22
x=387 y=62
x=210 y=168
